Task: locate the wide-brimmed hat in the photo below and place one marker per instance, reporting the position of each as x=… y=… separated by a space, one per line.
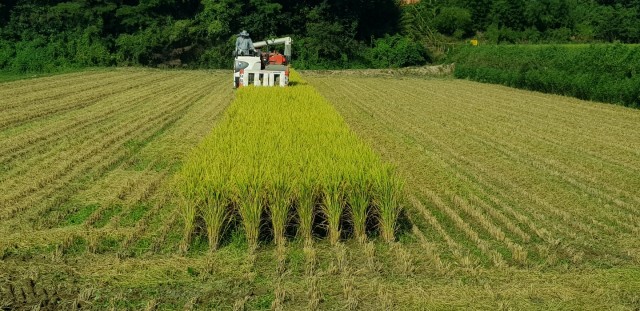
x=244 y=33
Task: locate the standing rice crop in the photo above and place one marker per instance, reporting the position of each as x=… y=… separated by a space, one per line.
x=280 y=198
x=306 y=198
x=190 y=199
x=280 y=148
x=214 y=211
x=388 y=191
x=359 y=201
x=333 y=205
x=250 y=206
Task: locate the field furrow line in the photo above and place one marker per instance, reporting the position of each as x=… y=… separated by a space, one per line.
x=486 y=189
x=535 y=128
x=564 y=173
x=31 y=100
x=547 y=235
x=430 y=248
x=548 y=166
x=499 y=216
x=399 y=121
x=518 y=253
x=96 y=167
x=563 y=230
x=462 y=255
x=163 y=117
x=24 y=87
x=135 y=101
x=463 y=226
x=159 y=237
x=539 y=164
x=548 y=130
x=372 y=92
x=539 y=201
x=163 y=129
x=143 y=224
x=51 y=237
x=79 y=101
x=36 y=141
x=463 y=104
x=89 y=138
x=516 y=248
x=141 y=192
x=547 y=105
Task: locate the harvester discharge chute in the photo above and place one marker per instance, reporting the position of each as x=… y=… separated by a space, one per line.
x=255 y=67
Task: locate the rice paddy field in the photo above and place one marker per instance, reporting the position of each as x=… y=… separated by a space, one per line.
x=144 y=189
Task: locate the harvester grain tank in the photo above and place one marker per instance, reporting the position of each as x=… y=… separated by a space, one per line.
x=255 y=67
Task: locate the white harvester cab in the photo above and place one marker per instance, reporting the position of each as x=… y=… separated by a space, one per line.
x=262 y=68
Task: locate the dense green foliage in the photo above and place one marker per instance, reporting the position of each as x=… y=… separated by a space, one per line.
x=441 y=26
x=45 y=35
x=608 y=73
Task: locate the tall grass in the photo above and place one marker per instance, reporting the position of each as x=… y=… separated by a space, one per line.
x=280 y=148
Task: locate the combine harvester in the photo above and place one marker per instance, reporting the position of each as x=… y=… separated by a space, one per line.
x=254 y=67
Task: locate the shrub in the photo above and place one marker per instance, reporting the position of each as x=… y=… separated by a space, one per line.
x=607 y=73
x=7 y=52
x=396 y=51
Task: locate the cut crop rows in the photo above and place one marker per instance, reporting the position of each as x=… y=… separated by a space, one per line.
x=106 y=164
x=522 y=176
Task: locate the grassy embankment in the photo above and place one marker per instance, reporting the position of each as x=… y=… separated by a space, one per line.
x=602 y=72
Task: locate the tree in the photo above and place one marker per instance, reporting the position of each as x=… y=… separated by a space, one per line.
x=453 y=21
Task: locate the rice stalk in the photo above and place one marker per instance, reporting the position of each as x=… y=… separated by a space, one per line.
x=214 y=212
x=188 y=206
x=279 y=202
x=307 y=193
x=333 y=208
x=250 y=207
x=276 y=148
x=359 y=200
x=388 y=201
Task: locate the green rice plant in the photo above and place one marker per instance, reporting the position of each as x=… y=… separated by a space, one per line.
x=279 y=202
x=188 y=206
x=359 y=199
x=250 y=206
x=306 y=199
x=214 y=211
x=388 y=195
x=333 y=203
x=276 y=148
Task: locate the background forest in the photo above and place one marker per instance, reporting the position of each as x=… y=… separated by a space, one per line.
x=46 y=35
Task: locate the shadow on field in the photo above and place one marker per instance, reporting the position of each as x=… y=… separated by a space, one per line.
x=233 y=234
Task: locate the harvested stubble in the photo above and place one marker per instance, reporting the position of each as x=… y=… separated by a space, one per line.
x=283 y=149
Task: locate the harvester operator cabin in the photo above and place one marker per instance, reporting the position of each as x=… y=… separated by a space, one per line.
x=260 y=64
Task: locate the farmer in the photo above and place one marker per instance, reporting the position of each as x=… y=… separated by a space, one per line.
x=244 y=45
